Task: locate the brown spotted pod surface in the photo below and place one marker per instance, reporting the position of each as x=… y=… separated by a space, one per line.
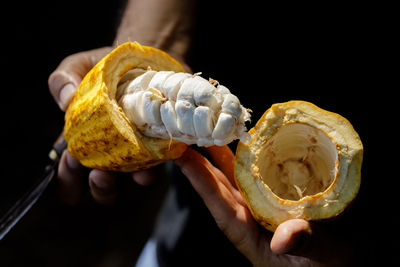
x=137 y=108
x=98 y=133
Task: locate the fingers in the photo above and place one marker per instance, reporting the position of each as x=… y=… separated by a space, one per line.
x=68 y=75
x=70 y=176
x=102 y=186
x=205 y=178
x=144 y=177
x=66 y=78
x=214 y=188
x=223 y=158
x=71 y=179
x=147 y=177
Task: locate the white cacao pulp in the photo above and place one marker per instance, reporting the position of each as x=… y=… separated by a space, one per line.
x=182 y=107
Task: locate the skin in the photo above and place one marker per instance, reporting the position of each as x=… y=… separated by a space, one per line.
x=294 y=243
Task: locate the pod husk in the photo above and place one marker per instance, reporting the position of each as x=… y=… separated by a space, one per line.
x=269 y=209
x=98 y=133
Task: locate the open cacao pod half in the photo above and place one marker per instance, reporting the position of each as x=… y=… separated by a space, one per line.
x=137 y=108
x=301 y=162
x=98 y=133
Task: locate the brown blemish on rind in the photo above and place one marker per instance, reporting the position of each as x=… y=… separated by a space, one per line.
x=98 y=133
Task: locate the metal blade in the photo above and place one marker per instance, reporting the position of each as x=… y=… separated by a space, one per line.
x=24 y=204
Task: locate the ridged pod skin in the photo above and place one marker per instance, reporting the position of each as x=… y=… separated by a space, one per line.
x=298 y=121
x=97 y=131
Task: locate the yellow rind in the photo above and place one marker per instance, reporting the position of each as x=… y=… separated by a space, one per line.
x=97 y=131
x=270 y=210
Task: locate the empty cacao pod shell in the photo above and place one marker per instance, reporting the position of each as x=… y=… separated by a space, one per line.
x=301 y=162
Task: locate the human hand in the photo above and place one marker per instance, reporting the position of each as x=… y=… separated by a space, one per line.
x=295 y=242
x=71 y=174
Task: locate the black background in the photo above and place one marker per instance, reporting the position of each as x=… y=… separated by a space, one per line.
x=336 y=56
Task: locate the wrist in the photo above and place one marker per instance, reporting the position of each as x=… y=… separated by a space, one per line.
x=178 y=48
x=166 y=25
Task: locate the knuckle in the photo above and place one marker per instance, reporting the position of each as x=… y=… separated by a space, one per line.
x=66 y=71
x=57 y=80
x=52 y=81
x=57 y=83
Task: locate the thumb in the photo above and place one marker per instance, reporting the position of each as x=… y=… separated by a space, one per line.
x=291 y=236
x=67 y=76
x=302 y=238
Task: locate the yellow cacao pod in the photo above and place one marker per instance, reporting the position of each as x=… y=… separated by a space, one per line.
x=98 y=133
x=301 y=162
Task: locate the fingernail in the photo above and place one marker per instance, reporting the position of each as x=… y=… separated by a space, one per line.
x=101 y=180
x=72 y=162
x=98 y=183
x=66 y=94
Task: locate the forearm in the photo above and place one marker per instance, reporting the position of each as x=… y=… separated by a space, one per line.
x=165 y=24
